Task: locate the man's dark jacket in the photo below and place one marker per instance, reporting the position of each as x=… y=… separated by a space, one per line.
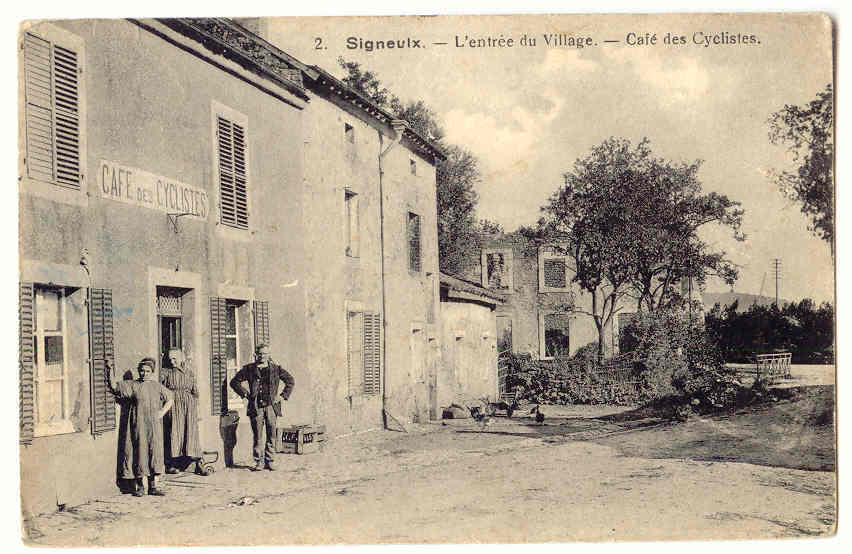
x=263 y=386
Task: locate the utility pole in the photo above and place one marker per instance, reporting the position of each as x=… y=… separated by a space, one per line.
x=777 y=267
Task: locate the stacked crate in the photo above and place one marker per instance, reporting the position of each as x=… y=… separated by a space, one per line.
x=300 y=439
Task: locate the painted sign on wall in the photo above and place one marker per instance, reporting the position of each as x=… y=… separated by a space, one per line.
x=141 y=188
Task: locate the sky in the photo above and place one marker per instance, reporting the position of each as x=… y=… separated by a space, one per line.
x=528 y=113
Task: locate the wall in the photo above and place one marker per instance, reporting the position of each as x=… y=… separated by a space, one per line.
x=339 y=282
x=469 y=351
x=149 y=107
x=412 y=304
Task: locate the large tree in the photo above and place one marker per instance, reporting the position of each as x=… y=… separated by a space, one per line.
x=808 y=133
x=629 y=222
x=457 y=176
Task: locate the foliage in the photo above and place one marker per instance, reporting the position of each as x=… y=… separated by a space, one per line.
x=490 y=227
x=574 y=381
x=676 y=357
x=457 y=176
x=630 y=222
x=808 y=133
x=802 y=328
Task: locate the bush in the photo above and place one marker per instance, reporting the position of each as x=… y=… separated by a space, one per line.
x=677 y=358
x=572 y=381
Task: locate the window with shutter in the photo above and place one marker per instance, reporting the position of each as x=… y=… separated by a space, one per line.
x=261 y=322
x=26 y=364
x=355 y=361
x=232 y=161
x=414 y=242
x=553 y=270
x=52 y=89
x=218 y=354
x=372 y=353
x=101 y=351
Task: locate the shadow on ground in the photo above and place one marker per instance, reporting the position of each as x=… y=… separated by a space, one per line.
x=795 y=432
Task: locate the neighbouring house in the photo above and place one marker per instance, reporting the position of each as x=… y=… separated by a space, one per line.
x=183 y=182
x=543 y=312
x=470 y=341
x=372 y=249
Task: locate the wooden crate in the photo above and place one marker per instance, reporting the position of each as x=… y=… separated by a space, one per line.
x=300 y=439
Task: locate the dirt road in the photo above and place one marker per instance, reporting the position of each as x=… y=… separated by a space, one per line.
x=579 y=476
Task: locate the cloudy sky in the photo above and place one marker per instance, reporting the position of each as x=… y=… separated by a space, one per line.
x=528 y=112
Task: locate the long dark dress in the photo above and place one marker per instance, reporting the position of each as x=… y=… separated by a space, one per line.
x=126 y=422
x=147 y=429
x=181 y=423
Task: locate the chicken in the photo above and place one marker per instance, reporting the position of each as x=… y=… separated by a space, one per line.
x=482 y=418
x=539 y=416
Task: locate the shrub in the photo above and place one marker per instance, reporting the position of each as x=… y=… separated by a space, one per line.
x=676 y=357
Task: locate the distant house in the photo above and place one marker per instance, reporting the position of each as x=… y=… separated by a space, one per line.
x=542 y=314
x=470 y=340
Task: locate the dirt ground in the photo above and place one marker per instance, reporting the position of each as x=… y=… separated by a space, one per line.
x=587 y=473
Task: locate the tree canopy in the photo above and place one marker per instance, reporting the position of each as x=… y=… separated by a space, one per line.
x=457 y=176
x=630 y=222
x=808 y=134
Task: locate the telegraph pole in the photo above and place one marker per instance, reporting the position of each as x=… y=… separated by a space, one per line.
x=777 y=268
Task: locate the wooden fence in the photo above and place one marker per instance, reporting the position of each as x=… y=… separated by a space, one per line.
x=619 y=370
x=767 y=367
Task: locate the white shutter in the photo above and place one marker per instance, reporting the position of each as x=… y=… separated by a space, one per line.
x=52 y=111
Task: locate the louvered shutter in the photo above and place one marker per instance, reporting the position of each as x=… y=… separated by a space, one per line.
x=100 y=351
x=218 y=355
x=233 y=180
x=26 y=361
x=261 y=322
x=52 y=112
x=372 y=353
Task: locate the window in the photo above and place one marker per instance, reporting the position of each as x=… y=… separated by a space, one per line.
x=53 y=110
x=414 y=263
x=60 y=350
x=363 y=352
x=51 y=363
x=231 y=345
x=554 y=335
x=552 y=271
x=232 y=168
x=352 y=224
x=349 y=133
x=412 y=167
x=497 y=269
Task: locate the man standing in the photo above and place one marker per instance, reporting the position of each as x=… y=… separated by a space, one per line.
x=264 y=405
x=181 y=424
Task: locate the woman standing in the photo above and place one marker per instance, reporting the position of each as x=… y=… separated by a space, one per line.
x=181 y=425
x=152 y=401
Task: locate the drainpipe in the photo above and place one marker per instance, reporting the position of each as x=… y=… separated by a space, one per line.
x=399 y=127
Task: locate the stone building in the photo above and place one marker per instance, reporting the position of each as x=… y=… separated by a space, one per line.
x=543 y=312
x=173 y=193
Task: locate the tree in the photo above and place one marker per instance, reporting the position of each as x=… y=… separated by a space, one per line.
x=629 y=223
x=587 y=219
x=457 y=176
x=808 y=133
x=668 y=210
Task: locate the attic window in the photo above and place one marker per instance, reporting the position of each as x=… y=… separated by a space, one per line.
x=412 y=166
x=349 y=133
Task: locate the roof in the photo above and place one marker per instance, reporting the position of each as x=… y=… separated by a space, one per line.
x=333 y=85
x=232 y=40
x=469 y=288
